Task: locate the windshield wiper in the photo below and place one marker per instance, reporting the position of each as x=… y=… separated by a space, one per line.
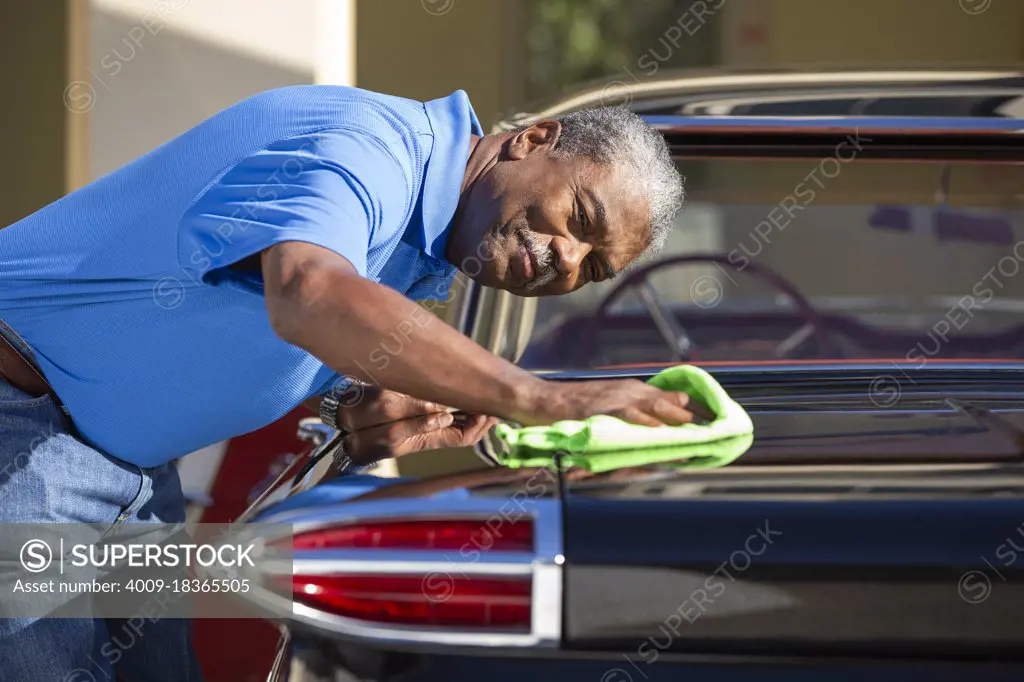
x=991 y=420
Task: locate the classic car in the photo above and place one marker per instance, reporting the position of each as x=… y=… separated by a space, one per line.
x=847 y=268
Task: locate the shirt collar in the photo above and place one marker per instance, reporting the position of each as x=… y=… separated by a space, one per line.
x=452 y=120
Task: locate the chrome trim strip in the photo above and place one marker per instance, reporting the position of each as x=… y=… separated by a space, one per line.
x=320 y=515
x=544 y=566
x=496 y=335
x=866 y=92
x=547 y=604
x=548 y=576
x=399 y=563
x=399 y=635
x=700 y=83
x=282 y=660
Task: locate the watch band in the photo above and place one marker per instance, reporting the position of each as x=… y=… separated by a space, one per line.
x=329 y=409
x=342 y=463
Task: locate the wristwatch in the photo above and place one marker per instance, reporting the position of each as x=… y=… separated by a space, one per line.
x=340 y=393
x=346 y=393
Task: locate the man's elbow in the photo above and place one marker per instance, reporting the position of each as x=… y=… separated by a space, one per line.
x=301 y=282
x=293 y=304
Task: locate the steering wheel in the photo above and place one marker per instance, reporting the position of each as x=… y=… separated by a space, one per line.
x=678 y=341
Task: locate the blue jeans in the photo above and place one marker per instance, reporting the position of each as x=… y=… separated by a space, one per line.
x=47 y=474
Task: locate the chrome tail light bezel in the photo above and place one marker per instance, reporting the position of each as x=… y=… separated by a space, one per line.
x=544 y=567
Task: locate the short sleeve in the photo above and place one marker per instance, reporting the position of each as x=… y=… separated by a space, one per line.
x=336 y=189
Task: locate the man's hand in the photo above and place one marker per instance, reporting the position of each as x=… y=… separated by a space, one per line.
x=630 y=400
x=389 y=424
x=363 y=406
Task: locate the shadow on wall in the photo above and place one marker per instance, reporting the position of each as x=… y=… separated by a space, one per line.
x=152 y=84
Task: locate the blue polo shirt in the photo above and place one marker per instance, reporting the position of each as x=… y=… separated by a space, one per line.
x=123 y=288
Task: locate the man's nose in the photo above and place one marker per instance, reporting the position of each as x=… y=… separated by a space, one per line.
x=569 y=254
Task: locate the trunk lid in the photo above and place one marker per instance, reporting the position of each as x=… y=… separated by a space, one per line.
x=849 y=528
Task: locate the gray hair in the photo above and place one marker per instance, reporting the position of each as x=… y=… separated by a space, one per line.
x=616 y=136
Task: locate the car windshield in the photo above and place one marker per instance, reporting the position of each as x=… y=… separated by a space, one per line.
x=834 y=258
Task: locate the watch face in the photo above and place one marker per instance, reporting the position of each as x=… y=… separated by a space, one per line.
x=349 y=394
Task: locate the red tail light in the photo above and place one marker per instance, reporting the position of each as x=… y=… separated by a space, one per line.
x=434 y=599
x=452 y=534
x=446 y=597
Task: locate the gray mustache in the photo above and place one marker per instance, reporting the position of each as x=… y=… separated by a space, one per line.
x=543 y=257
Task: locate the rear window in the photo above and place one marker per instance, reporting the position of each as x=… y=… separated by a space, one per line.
x=812 y=259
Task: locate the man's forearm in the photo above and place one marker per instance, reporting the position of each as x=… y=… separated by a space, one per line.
x=365 y=330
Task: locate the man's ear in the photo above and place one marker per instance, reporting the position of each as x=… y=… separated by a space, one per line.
x=541 y=136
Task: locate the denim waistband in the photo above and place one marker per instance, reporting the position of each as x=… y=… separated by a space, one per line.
x=15 y=339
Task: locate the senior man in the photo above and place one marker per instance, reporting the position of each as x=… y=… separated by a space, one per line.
x=254 y=263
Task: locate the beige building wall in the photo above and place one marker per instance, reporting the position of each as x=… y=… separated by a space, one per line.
x=43 y=154
x=159 y=68
x=896 y=31
x=424 y=49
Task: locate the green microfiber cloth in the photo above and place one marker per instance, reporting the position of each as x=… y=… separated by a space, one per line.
x=602 y=443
